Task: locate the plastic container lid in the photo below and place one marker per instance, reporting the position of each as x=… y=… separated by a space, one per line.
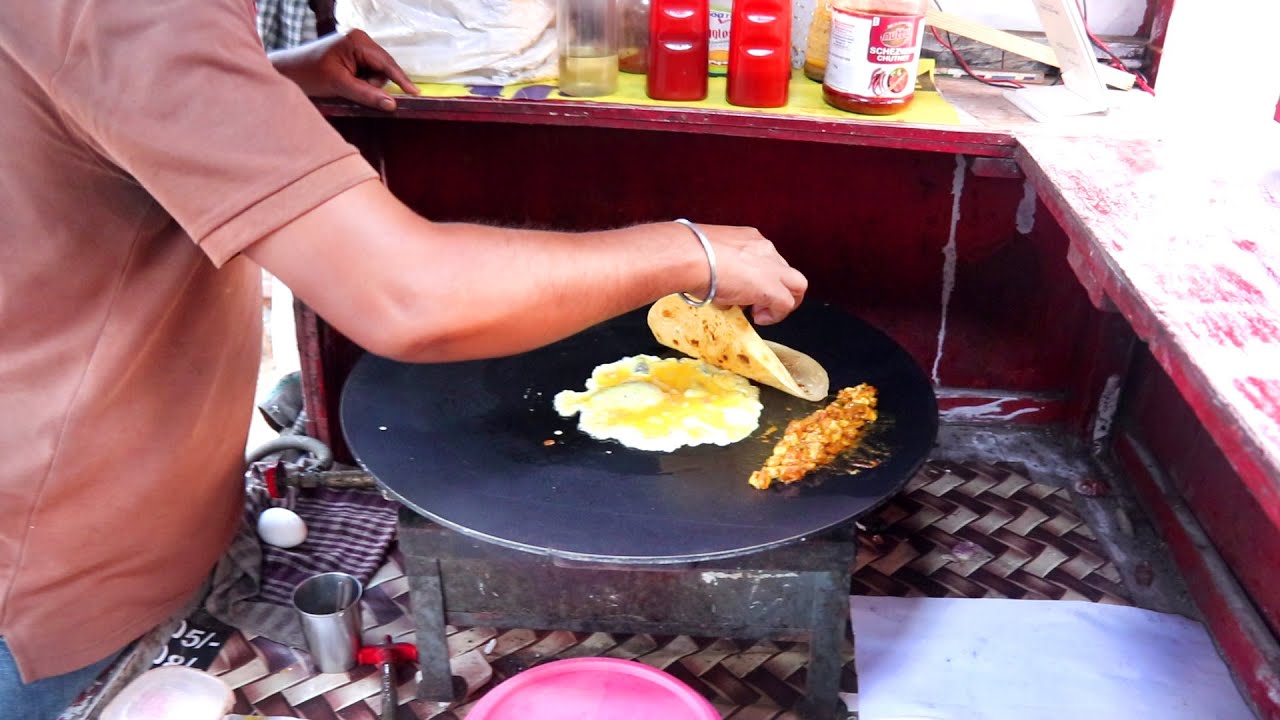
x=171 y=693
x=593 y=689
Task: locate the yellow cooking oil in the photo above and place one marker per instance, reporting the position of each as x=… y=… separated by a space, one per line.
x=589 y=76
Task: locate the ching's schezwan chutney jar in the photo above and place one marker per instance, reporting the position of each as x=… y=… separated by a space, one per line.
x=873 y=55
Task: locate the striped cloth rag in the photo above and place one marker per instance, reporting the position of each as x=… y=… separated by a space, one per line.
x=348 y=531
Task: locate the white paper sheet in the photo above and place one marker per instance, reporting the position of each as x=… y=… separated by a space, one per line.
x=989 y=659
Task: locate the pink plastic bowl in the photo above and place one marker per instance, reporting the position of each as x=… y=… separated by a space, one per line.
x=593 y=689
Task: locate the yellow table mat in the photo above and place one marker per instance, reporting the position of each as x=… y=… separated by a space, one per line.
x=805 y=99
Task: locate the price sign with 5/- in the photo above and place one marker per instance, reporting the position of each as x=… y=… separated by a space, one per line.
x=194 y=645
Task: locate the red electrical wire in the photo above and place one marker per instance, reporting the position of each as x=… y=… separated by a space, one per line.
x=965 y=65
x=1118 y=64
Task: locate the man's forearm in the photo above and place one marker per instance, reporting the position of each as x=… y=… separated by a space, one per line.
x=425 y=292
x=539 y=287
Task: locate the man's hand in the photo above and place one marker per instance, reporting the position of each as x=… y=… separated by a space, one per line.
x=350 y=66
x=751 y=273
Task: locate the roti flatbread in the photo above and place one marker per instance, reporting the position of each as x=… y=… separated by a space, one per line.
x=726 y=339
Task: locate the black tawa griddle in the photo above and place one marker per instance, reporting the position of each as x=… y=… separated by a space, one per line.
x=466 y=445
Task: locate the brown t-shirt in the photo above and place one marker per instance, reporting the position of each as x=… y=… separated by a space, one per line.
x=142 y=147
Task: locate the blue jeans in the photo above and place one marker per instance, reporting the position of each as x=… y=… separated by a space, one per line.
x=43 y=699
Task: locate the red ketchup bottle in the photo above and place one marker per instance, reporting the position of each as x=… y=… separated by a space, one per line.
x=874 y=50
x=759 y=53
x=678 y=35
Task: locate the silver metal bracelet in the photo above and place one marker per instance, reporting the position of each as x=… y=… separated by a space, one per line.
x=711 y=262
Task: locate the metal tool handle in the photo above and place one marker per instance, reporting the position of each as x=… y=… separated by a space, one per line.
x=321 y=456
x=389 y=700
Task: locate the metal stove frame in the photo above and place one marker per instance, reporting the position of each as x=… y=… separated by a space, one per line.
x=798 y=589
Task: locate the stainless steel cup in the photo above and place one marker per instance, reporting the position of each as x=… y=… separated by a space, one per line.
x=329 y=608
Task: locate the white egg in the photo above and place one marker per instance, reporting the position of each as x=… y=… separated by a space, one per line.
x=281 y=527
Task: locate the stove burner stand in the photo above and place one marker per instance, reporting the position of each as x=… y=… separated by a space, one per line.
x=798 y=589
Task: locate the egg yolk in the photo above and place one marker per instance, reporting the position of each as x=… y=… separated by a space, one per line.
x=650 y=403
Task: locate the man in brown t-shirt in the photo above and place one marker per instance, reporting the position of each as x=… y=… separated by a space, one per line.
x=152 y=161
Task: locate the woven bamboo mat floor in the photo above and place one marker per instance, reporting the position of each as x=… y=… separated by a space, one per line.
x=959 y=530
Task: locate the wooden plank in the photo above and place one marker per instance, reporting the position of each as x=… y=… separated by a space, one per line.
x=989 y=127
x=1155 y=25
x=1176 y=235
x=1200 y=475
x=1240 y=634
x=971 y=140
x=1016 y=44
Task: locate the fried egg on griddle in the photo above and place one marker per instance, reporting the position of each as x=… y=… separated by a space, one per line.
x=650 y=403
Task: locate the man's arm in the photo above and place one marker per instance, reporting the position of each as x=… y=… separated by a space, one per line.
x=413 y=290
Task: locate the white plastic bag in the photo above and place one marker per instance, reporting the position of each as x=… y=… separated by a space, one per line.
x=466 y=42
